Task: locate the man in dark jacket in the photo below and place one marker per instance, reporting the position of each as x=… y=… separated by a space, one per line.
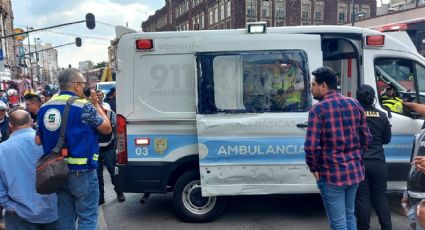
x=374 y=187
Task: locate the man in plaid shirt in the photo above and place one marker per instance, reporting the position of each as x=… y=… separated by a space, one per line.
x=337 y=137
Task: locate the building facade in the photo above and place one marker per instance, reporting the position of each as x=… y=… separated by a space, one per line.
x=7 y=44
x=42 y=63
x=228 y=14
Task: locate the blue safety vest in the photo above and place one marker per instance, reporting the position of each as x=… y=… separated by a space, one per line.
x=81 y=139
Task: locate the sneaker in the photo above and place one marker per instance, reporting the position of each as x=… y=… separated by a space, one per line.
x=120 y=197
x=101 y=201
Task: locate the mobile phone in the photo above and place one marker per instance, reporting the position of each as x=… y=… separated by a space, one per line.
x=87 y=91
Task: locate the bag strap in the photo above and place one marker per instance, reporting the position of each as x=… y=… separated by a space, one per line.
x=64 y=122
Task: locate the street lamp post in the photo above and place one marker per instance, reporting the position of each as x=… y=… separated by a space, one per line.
x=353 y=16
x=29 y=51
x=37 y=75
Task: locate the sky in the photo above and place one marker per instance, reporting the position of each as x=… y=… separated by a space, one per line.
x=108 y=13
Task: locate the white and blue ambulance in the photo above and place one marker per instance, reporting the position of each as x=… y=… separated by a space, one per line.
x=211 y=114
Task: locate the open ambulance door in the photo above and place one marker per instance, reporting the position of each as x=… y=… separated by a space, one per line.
x=253 y=97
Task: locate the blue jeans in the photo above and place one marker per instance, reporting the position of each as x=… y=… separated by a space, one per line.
x=339 y=204
x=78 y=201
x=14 y=222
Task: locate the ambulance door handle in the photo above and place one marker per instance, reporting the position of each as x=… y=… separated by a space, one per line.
x=302 y=125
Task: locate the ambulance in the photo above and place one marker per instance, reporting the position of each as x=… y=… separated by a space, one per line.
x=212 y=114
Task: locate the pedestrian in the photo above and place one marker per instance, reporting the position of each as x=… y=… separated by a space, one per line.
x=111 y=99
x=107 y=152
x=79 y=196
x=337 y=137
x=33 y=103
x=4 y=122
x=3 y=97
x=25 y=208
x=373 y=189
x=4 y=135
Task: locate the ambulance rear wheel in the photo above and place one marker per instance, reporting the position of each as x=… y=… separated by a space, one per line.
x=189 y=204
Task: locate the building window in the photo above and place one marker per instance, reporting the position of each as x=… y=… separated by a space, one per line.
x=211 y=19
x=228 y=8
x=215 y=13
x=280 y=23
x=318 y=11
x=305 y=10
x=342 y=12
x=265 y=8
x=280 y=10
x=251 y=6
x=365 y=11
x=222 y=11
x=202 y=21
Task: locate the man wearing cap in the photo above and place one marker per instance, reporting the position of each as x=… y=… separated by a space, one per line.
x=337 y=137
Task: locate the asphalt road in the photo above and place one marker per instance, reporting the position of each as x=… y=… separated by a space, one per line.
x=287 y=212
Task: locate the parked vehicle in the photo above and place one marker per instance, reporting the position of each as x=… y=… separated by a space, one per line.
x=205 y=114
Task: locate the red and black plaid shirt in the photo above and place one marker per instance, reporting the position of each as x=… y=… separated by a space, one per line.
x=337 y=137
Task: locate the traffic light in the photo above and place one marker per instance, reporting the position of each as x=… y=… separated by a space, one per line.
x=90 y=22
x=78 y=42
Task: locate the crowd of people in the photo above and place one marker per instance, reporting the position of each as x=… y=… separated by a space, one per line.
x=30 y=129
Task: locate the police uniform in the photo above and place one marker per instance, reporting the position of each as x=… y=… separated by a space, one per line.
x=395 y=104
x=373 y=188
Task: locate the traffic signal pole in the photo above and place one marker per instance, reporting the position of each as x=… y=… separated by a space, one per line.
x=90 y=23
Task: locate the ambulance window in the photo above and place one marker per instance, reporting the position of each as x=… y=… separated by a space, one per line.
x=420 y=72
x=396 y=82
x=254 y=82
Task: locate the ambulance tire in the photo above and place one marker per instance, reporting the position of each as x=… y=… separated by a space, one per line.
x=189 y=204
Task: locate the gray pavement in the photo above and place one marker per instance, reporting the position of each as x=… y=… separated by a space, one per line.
x=289 y=212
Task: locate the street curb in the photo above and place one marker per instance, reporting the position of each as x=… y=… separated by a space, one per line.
x=102 y=222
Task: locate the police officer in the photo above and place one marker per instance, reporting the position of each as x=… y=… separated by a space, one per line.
x=373 y=188
x=107 y=152
x=390 y=100
x=78 y=198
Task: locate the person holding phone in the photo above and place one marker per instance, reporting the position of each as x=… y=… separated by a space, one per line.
x=78 y=197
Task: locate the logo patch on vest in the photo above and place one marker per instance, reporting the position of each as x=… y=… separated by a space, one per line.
x=52 y=119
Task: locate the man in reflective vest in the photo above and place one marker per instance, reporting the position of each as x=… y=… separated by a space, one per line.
x=390 y=100
x=78 y=198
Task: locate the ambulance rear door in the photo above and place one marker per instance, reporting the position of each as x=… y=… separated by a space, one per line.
x=252 y=102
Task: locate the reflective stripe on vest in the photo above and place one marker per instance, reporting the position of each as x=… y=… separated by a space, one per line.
x=80 y=161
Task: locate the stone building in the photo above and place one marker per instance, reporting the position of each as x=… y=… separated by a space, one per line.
x=227 y=14
x=7 y=44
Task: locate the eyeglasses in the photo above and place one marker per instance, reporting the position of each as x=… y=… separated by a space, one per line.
x=79 y=82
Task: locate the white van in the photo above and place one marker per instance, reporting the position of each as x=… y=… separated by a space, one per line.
x=203 y=114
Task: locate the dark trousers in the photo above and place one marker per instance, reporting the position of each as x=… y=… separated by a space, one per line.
x=14 y=222
x=373 y=191
x=107 y=158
